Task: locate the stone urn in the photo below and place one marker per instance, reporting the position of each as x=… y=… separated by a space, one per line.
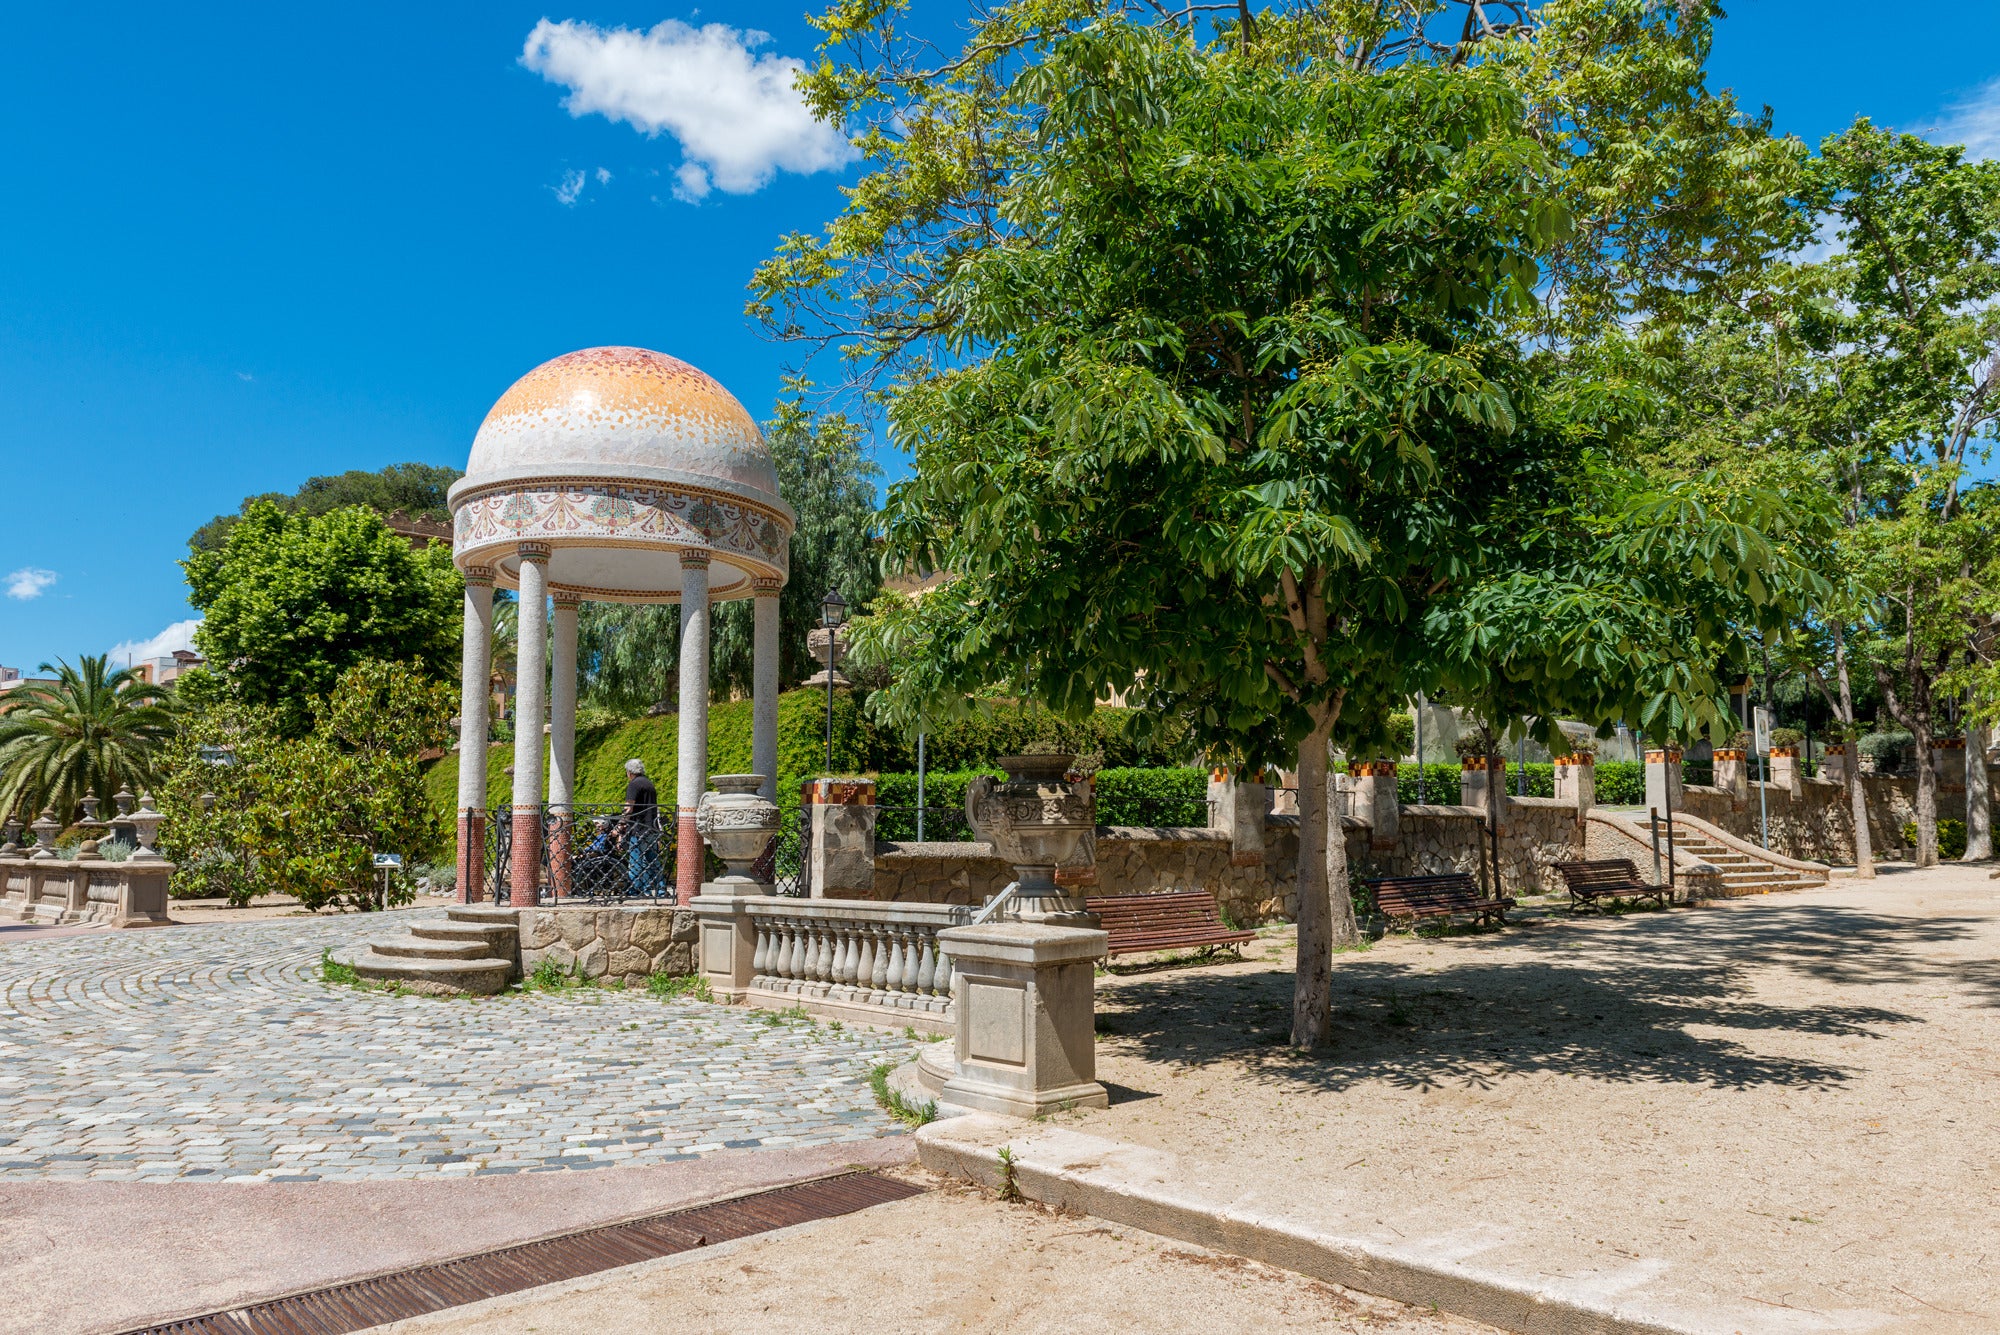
x=1035 y=819
x=738 y=824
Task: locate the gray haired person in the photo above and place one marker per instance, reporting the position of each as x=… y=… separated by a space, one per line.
x=642 y=824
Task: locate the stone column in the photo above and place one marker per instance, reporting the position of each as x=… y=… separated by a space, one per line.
x=1239 y=807
x=562 y=740
x=1732 y=776
x=1832 y=764
x=1948 y=762
x=1025 y=1036
x=477 y=643
x=1375 y=801
x=1978 y=796
x=531 y=688
x=1786 y=771
x=1663 y=781
x=764 y=684
x=692 y=779
x=1576 y=780
x=1474 y=779
x=841 y=863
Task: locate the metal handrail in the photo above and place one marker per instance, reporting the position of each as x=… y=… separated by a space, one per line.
x=993 y=905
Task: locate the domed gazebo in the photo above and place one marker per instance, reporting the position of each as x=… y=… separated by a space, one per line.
x=614 y=475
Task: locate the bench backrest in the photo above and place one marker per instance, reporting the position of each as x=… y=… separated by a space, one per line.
x=1603 y=871
x=1168 y=908
x=1400 y=894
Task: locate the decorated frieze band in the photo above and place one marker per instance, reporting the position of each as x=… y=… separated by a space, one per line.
x=565 y=597
x=534 y=551
x=694 y=560
x=766 y=587
x=631 y=513
x=479 y=577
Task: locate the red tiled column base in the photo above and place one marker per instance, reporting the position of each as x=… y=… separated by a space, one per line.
x=525 y=860
x=471 y=856
x=687 y=856
x=559 y=855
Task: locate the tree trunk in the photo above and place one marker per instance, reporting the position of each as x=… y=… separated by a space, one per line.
x=1857 y=798
x=1312 y=989
x=1978 y=797
x=1927 y=854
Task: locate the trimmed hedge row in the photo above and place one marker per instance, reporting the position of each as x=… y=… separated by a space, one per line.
x=1174 y=795
x=1620 y=783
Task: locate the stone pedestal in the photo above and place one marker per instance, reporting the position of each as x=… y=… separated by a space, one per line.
x=1664 y=792
x=1473 y=780
x=1239 y=807
x=727 y=942
x=1833 y=764
x=841 y=863
x=1576 y=780
x=1948 y=761
x=1374 y=801
x=1026 y=1039
x=1732 y=775
x=1786 y=771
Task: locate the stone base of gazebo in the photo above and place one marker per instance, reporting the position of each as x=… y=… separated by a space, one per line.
x=613 y=945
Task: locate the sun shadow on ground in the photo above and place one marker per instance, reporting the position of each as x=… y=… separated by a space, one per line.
x=1683 y=997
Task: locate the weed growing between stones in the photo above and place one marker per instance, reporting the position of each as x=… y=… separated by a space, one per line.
x=1010 y=1190
x=892 y=1101
x=673 y=987
x=332 y=970
x=552 y=977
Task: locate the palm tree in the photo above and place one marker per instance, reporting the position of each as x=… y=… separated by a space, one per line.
x=91 y=731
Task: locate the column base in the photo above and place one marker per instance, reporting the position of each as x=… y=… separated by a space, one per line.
x=688 y=848
x=471 y=863
x=524 y=889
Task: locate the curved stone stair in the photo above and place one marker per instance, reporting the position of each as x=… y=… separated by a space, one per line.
x=472 y=951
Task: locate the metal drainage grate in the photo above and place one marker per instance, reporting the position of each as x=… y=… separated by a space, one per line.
x=341 y=1308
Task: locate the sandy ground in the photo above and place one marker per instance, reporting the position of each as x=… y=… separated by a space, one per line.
x=952 y=1260
x=1784 y=1104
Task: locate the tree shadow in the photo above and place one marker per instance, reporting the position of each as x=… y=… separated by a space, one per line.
x=1662 y=997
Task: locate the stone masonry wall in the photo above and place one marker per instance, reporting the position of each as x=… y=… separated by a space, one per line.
x=612 y=945
x=1817 y=823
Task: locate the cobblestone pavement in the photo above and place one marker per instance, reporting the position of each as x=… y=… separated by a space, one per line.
x=216 y=1054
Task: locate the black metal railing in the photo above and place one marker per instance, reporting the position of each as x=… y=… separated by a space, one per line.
x=931 y=823
x=785 y=864
x=591 y=853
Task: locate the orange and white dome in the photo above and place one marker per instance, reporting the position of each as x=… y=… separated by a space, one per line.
x=618 y=461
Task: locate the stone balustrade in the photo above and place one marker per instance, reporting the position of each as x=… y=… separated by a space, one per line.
x=859 y=961
x=63 y=891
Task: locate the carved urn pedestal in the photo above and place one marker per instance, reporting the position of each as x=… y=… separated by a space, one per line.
x=1035 y=819
x=738 y=823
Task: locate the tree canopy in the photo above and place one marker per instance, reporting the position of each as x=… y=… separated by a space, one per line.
x=417 y=490
x=291 y=601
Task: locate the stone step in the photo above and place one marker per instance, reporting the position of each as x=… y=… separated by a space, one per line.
x=493 y=938
x=430 y=948
x=485 y=914
x=449 y=977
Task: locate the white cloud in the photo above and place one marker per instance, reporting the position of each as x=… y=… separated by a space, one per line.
x=737 y=116
x=1973 y=121
x=245 y=377
x=603 y=176
x=570 y=189
x=180 y=635
x=29 y=582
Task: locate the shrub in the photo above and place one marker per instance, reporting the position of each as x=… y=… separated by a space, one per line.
x=1886 y=749
x=1175 y=796
x=1950 y=837
x=213 y=873
x=674 y=986
x=1786 y=737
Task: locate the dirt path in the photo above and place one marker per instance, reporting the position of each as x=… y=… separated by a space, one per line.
x=1783 y=1105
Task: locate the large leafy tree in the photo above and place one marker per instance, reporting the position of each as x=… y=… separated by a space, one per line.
x=254 y=807
x=291 y=601
x=90 y=731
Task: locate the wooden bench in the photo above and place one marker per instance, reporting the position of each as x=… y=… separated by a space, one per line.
x=1414 y=899
x=1170 y=920
x=1607 y=878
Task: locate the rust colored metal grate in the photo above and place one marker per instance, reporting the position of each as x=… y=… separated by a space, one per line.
x=365 y=1303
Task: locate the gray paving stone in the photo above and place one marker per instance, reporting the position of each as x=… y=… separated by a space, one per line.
x=216 y=1053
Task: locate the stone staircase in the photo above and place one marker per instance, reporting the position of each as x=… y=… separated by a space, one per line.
x=472 y=950
x=1741 y=873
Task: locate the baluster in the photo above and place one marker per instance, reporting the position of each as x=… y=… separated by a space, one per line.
x=899 y=962
x=926 y=961
x=879 y=981
x=781 y=965
x=864 y=959
x=850 y=954
x=808 y=950
x=945 y=971
x=761 y=954
x=822 y=953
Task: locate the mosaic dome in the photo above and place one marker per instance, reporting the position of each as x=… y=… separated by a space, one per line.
x=624 y=414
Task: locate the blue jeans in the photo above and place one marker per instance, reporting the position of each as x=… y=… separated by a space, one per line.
x=642 y=863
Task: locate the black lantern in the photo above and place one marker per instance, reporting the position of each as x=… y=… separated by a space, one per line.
x=832 y=612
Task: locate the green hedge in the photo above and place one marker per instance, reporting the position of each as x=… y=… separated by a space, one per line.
x=1175 y=795
x=1620 y=783
x=969 y=743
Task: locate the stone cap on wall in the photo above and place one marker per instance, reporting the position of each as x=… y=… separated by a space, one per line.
x=837 y=792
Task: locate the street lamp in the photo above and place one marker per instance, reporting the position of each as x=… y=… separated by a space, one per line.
x=832 y=612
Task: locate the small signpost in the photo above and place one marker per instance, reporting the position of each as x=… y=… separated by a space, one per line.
x=1760 y=723
x=386 y=866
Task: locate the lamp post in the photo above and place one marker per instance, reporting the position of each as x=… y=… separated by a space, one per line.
x=832 y=612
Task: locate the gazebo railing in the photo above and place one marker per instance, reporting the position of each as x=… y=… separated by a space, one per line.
x=591 y=853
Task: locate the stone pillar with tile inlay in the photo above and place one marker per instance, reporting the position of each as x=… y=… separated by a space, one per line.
x=841 y=861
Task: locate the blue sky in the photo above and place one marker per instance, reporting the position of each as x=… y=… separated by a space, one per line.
x=245 y=245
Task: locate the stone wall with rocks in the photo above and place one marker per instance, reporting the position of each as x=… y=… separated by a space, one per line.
x=1816 y=821
x=624 y=945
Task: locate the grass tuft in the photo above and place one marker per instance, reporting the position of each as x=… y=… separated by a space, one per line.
x=892 y=1102
x=332 y=970
x=687 y=986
